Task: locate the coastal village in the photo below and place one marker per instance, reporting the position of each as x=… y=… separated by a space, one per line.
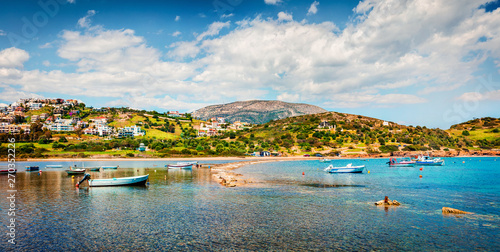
x=69 y=128
x=59 y=115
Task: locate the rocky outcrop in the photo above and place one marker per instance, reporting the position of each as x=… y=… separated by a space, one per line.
x=256 y=111
x=449 y=210
x=387 y=202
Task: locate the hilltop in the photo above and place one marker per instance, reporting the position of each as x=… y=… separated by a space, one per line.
x=256 y=111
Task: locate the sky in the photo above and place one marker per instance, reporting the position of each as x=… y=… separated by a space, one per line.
x=431 y=63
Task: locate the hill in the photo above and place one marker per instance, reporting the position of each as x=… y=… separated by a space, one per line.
x=256 y=111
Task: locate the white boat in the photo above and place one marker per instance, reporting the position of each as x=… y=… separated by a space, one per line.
x=325 y=160
x=54 y=166
x=179 y=166
x=402 y=162
x=189 y=162
x=345 y=169
x=126 y=181
x=429 y=161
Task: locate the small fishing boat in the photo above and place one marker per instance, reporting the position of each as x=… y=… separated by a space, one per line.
x=6 y=171
x=345 y=169
x=179 y=166
x=32 y=168
x=75 y=171
x=325 y=160
x=429 y=161
x=54 y=166
x=94 y=168
x=110 y=167
x=404 y=162
x=126 y=181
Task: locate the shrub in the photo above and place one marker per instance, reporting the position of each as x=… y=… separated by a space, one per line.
x=465 y=133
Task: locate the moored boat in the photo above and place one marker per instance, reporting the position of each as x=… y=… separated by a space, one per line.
x=345 y=169
x=429 y=161
x=8 y=171
x=404 y=162
x=110 y=167
x=325 y=160
x=53 y=166
x=179 y=166
x=75 y=171
x=126 y=181
x=94 y=168
x=32 y=168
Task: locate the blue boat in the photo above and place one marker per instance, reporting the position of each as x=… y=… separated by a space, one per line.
x=127 y=181
x=32 y=168
x=54 y=166
x=110 y=167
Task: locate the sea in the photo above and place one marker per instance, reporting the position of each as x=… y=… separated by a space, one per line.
x=290 y=205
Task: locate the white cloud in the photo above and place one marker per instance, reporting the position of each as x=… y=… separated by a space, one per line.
x=2 y=33
x=13 y=57
x=46 y=63
x=176 y=33
x=390 y=46
x=177 y=18
x=313 y=9
x=46 y=45
x=84 y=22
x=283 y=16
x=493 y=95
x=288 y=97
x=227 y=15
x=213 y=29
x=272 y=2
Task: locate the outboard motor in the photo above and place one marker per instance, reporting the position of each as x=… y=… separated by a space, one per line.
x=85 y=177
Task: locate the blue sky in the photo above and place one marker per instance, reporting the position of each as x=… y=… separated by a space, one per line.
x=429 y=63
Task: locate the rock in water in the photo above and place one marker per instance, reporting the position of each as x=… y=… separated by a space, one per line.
x=387 y=202
x=449 y=210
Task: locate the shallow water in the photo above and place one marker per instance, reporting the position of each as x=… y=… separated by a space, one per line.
x=185 y=210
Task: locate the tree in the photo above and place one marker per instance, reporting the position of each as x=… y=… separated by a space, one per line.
x=465 y=133
x=63 y=139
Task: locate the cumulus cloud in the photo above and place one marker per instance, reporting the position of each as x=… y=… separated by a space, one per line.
x=84 y=22
x=13 y=57
x=313 y=9
x=176 y=33
x=428 y=46
x=272 y=2
x=283 y=16
x=476 y=96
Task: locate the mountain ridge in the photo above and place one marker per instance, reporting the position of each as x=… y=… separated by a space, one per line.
x=256 y=111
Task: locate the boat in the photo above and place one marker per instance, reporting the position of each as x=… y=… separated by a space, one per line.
x=126 y=181
x=32 y=168
x=429 y=161
x=189 y=162
x=75 y=171
x=404 y=162
x=110 y=167
x=345 y=169
x=94 y=168
x=180 y=166
x=325 y=160
x=54 y=166
x=6 y=171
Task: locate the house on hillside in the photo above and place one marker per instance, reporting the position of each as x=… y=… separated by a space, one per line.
x=324 y=124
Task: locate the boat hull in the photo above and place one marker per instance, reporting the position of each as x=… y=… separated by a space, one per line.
x=128 y=181
x=109 y=167
x=346 y=170
x=430 y=163
x=402 y=164
x=32 y=168
x=53 y=166
x=8 y=172
x=75 y=172
x=182 y=166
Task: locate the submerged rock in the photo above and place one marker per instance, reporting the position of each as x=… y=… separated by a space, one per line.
x=449 y=210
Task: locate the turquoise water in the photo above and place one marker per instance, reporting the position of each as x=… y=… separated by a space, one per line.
x=186 y=210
